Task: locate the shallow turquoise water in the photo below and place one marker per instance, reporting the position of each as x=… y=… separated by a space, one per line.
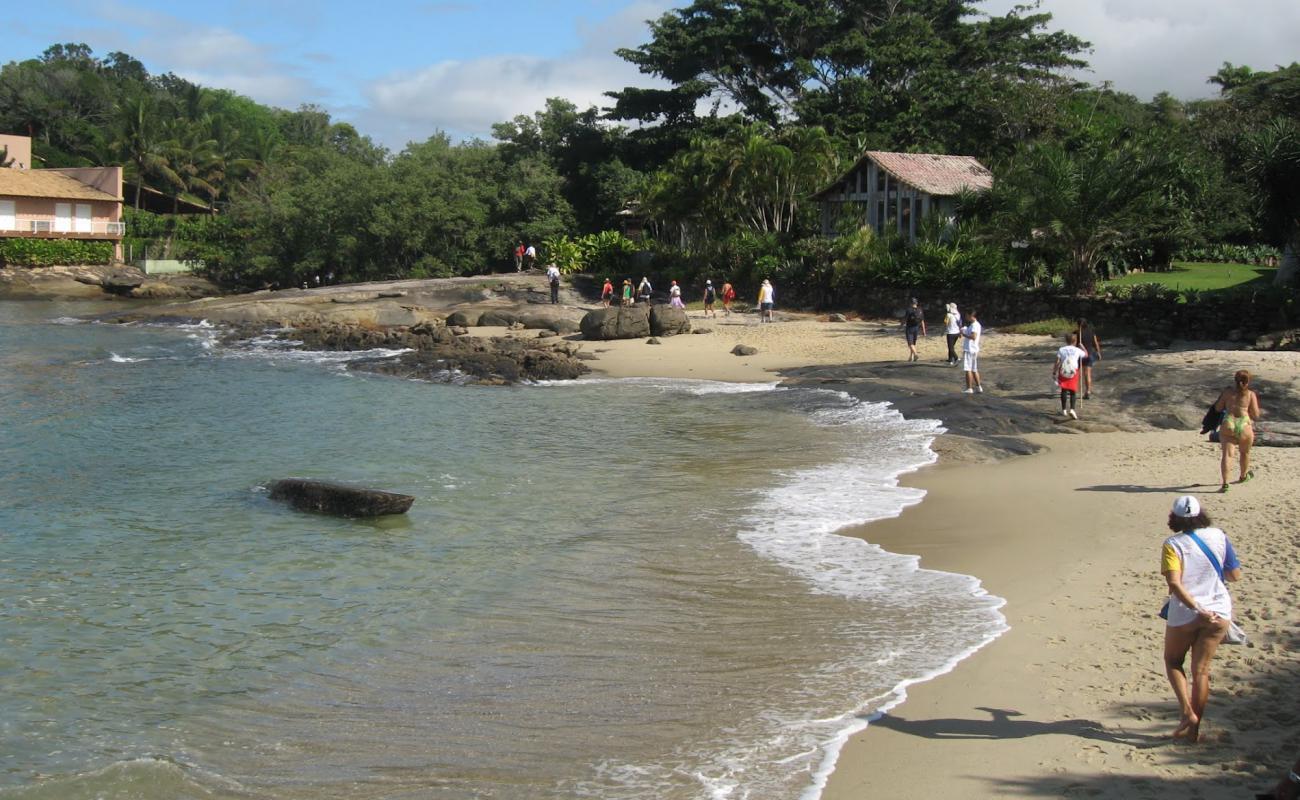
x=610 y=589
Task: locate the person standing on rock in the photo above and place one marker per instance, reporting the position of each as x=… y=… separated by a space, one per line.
x=1091 y=345
x=709 y=297
x=728 y=296
x=952 y=330
x=607 y=293
x=553 y=277
x=675 y=296
x=970 y=352
x=644 y=290
x=1240 y=407
x=530 y=257
x=766 y=300
x=913 y=325
x=1065 y=372
x=519 y=257
x=627 y=291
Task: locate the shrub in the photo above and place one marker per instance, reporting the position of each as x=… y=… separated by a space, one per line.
x=1223 y=253
x=54 y=252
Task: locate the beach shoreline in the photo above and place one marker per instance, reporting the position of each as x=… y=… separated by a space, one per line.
x=1071 y=699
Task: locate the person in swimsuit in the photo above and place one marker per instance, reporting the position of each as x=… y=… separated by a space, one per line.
x=728 y=296
x=1091 y=345
x=1240 y=407
x=1199 y=609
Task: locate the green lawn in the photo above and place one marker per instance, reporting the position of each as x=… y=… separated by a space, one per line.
x=1203 y=277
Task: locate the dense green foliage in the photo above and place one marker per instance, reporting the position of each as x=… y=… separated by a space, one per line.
x=53 y=252
x=1089 y=183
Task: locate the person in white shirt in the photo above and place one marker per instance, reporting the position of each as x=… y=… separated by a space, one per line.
x=530 y=257
x=553 y=277
x=766 y=299
x=1069 y=360
x=970 y=352
x=952 y=329
x=1196 y=561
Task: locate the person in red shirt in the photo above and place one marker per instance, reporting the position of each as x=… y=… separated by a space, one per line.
x=519 y=257
x=607 y=293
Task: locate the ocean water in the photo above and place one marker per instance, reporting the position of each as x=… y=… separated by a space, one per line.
x=606 y=589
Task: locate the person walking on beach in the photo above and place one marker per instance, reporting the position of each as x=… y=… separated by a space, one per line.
x=766 y=299
x=952 y=330
x=1066 y=373
x=1240 y=407
x=1196 y=561
x=1091 y=345
x=644 y=290
x=553 y=278
x=627 y=291
x=728 y=296
x=607 y=293
x=913 y=324
x=970 y=352
x=709 y=297
x=675 y=296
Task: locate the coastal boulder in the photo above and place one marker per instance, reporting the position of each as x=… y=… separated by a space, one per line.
x=622 y=322
x=744 y=350
x=668 y=321
x=338 y=499
x=497 y=319
x=463 y=319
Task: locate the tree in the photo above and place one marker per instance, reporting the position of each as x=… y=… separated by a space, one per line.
x=140 y=138
x=924 y=74
x=1273 y=162
x=1087 y=204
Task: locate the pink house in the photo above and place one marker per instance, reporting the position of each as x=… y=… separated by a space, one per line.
x=67 y=203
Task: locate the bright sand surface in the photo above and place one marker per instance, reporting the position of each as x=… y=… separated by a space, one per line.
x=1073 y=700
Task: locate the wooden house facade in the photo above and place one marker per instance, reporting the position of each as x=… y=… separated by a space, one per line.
x=895 y=191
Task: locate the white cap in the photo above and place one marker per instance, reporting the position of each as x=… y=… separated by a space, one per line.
x=1186 y=506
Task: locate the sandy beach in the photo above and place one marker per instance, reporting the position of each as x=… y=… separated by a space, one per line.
x=1072 y=700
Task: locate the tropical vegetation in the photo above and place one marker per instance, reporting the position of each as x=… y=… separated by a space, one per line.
x=763 y=103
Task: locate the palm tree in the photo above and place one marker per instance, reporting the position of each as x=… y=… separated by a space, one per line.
x=1272 y=160
x=140 y=143
x=191 y=153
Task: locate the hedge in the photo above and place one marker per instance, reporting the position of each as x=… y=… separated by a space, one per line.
x=54 y=252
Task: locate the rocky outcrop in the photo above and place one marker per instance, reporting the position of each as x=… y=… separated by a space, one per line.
x=464 y=319
x=744 y=350
x=497 y=319
x=121 y=280
x=668 y=321
x=622 y=322
x=338 y=498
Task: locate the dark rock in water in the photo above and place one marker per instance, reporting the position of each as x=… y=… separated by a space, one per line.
x=744 y=350
x=621 y=322
x=668 y=321
x=338 y=499
x=463 y=319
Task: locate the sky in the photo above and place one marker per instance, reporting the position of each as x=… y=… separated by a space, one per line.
x=402 y=70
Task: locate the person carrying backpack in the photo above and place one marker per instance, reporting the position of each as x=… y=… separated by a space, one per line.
x=913 y=324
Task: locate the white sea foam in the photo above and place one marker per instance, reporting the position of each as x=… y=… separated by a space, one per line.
x=116 y=359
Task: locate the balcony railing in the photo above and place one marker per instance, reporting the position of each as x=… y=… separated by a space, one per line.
x=73 y=227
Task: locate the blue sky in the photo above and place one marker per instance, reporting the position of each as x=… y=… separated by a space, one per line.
x=401 y=70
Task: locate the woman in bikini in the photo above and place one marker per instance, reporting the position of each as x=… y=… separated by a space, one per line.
x=1240 y=407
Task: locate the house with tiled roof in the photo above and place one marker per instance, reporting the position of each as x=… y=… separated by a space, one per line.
x=895 y=191
x=67 y=203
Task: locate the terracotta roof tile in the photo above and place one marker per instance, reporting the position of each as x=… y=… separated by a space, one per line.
x=939 y=175
x=46 y=183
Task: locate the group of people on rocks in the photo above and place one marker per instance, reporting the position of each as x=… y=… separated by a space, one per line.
x=645 y=290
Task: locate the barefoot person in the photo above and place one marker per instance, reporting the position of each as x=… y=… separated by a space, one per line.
x=1240 y=407
x=970 y=352
x=1066 y=373
x=1200 y=607
x=607 y=293
x=728 y=296
x=1091 y=345
x=766 y=299
x=710 y=296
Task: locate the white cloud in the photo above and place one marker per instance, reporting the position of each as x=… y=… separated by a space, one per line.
x=1148 y=46
x=464 y=98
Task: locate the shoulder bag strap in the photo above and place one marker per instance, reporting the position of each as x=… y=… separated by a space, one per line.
x=1214 y=562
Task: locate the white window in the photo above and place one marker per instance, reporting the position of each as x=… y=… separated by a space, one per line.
x=8 y=217
x=83 y=221
x=63 y=217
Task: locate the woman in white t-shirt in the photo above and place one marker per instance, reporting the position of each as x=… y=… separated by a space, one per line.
x=1200 y=607
x=952 y=329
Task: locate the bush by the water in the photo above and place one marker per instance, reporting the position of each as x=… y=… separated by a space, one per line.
x=54 y=252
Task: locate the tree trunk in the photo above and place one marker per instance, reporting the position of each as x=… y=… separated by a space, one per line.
x=1289 y=269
